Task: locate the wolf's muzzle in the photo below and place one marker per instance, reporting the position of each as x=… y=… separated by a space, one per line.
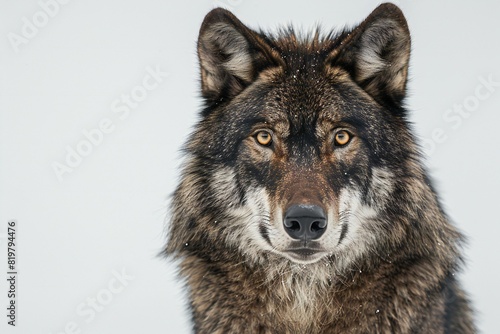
x=305 y=222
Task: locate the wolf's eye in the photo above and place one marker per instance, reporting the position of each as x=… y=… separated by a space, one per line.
x=264 y=138
x=342 y=138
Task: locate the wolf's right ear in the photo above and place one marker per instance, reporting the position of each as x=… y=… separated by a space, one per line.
x=231 y=55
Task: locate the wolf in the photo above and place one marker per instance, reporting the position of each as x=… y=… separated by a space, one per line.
x=303 y=204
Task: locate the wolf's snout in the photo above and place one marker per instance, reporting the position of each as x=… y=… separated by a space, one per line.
x=305 y=222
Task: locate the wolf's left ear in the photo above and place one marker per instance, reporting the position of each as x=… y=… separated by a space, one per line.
x=231 y=55
x=376 y=54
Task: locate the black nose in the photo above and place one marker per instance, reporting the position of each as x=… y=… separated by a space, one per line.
x=305 y=222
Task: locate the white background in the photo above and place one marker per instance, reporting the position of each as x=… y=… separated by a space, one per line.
x=108 y=214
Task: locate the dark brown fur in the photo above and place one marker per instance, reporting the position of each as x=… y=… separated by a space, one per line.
x=396 y=272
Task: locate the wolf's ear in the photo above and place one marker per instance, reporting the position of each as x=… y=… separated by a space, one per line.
x=376 y=54
x=231 y=55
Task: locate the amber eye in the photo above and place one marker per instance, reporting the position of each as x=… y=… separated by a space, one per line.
x=264 y=138
x=342 y=137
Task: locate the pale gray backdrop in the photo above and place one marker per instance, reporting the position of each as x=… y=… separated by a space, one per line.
x=90 y=227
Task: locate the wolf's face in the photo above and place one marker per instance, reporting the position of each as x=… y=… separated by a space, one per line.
x=300 y=140
x=307 y=162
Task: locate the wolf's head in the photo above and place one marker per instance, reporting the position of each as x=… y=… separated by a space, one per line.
x=303 y=153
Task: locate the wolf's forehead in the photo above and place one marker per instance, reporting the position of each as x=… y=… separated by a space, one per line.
x=297 y=105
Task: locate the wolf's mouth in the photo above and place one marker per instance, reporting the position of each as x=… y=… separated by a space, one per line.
x=305 y=255
x=304 y=251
